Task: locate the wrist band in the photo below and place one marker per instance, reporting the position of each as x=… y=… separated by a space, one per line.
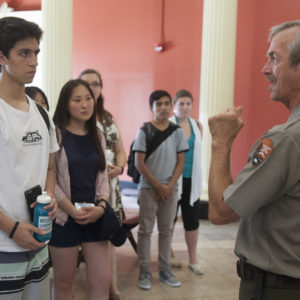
x=100 y=205
x=14 y=230
x=98 y=201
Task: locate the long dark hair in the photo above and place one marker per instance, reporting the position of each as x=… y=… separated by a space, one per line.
x=102 y=113
x=62 y=116
x=31 y=91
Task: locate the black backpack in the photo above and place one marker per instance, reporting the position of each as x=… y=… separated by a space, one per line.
x=132 y=170
x=153 y=140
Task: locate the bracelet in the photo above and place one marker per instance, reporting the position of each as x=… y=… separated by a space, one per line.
x=98 y=201
x=100 y=205
x=122 y=169
x=14 y=230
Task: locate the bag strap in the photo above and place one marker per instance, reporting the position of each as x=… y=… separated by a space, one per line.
x=44 y=115
x=154 y=140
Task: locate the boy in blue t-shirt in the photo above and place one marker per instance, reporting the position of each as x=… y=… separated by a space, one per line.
x=157 y=188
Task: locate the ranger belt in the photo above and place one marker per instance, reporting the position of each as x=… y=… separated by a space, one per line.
x=249 y=272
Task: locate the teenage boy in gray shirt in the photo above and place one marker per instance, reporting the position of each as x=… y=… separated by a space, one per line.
x=157 y=188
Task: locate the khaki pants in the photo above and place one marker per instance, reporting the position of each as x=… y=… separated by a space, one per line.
x=165 y=213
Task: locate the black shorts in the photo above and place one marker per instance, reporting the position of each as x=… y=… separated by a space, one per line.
x=72 y=234
x=190 y=214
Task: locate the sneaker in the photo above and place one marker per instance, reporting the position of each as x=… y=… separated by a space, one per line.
x=168 y=278
x=144 y=280
x=175 y=263
x=196 y=269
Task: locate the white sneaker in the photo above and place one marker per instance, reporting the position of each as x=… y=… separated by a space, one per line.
x=175 y=263
x=196 y=269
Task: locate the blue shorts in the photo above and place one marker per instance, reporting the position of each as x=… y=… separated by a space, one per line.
x=73 y=234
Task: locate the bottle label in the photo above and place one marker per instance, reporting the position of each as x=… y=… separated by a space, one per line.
x=45 y=224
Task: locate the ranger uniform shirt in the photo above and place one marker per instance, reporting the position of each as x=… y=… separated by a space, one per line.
x=266 y=195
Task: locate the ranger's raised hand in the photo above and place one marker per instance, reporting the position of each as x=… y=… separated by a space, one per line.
x=225 y=126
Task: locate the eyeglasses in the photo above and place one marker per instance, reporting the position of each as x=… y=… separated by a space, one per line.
x=94 y=84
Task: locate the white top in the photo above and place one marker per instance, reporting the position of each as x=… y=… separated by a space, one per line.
x=25 y=144
x=196 y=188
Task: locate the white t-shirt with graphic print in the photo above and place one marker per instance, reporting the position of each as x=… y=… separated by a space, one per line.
x=25 y=145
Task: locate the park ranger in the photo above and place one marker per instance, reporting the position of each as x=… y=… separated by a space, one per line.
x=266 y=193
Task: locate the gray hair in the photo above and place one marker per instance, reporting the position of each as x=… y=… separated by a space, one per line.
x=294 y=46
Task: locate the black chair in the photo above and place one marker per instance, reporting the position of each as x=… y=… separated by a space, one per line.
x=128 y=227
x=129 y=189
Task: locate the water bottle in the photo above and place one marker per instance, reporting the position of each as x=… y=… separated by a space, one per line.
x=41 y=218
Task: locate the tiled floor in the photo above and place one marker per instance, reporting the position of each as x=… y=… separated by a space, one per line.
x=215 y=251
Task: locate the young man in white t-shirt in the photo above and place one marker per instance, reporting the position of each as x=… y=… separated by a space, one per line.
x=26 y=160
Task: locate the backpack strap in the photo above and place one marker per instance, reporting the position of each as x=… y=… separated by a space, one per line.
x=153 y=140
x=44 y=115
